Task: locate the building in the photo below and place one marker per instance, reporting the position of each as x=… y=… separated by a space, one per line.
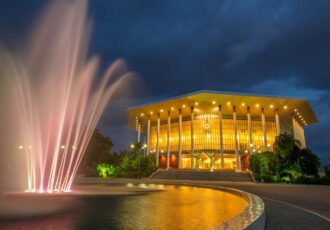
x=217 y=130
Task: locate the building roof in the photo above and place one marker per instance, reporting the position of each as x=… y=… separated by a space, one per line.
x=205 y=101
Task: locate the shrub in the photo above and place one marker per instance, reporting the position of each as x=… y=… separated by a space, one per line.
x=105 y=170
x=290 y=174
x=259 y=163
x=309 y=162
x=327 y=171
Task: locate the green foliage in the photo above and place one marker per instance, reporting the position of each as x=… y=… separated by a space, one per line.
x=98 y=151
x=105 y=170
x=309 y=162
x=291 y=174
x=327 y=171
x=286 y=152
x=289 y=163
x=259 y=163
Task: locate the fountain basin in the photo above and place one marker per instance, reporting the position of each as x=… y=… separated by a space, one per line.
x=146 y=206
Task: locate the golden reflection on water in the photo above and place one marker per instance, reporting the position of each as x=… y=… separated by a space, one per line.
x=180 y=207
x=174 y=207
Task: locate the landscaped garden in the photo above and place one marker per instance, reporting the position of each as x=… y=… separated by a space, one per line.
x=288 y=163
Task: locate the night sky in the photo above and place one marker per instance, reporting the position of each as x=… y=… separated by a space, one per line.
x=180 y=46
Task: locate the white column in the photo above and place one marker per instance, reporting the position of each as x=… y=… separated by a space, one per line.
x=264 y=129
x=180 y=138
x=238 y=161
x=139 y=133
x=302 y=136
x=148 y=136
x=192 y=136
x=249 y=129
x=277 y=120
x=158 y=134
x=294 y=128
x=168 y=139
x=221 y=138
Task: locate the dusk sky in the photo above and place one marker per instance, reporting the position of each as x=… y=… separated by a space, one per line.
x=179 y=46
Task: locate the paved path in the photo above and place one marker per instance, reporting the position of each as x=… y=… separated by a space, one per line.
x=287 y=206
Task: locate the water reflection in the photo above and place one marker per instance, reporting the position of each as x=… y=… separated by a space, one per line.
x=177 y=207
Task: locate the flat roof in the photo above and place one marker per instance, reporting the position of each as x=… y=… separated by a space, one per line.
x=206 y=101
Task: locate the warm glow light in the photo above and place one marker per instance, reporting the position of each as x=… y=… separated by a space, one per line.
x=132 y=146
x=268 y=145
x=285 y=107
x=172 y=108
x=183 y=106
x=73 y=147
x=195 y=109
x=251 y=145
x=295 y=110
x=216 y=108
x=243 y=104
x=151 y=112
x=228 y=103
x=142 y=114
x=271 y=106
x=257 y=105
x=161 y=110
x=30 y=147
x=62 y=146
x=20 y=147
x=213 y=102
x=196 y=103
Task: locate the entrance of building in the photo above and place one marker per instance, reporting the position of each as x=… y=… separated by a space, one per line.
x=203 y=161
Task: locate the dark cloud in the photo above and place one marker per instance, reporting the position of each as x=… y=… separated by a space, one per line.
x=178 y=46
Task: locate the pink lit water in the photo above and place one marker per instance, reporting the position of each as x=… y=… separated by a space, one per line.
x=57 y=96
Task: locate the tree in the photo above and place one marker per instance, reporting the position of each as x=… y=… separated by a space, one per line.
x=259 y=163
x=98 y=151
x=286 y=152
x=309 y=162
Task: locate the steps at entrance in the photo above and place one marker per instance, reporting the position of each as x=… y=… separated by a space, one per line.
x=177 y=174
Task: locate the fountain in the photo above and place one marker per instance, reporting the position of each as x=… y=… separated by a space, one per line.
x=57 y=95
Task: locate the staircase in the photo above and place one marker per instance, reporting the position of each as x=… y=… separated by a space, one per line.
x=184 y=174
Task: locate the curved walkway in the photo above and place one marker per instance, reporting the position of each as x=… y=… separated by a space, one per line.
x=287 y=206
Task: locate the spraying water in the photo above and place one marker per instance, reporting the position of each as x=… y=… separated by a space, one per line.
x=57 y=97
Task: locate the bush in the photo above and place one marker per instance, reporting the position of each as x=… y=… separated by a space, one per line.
x=105 y=170
x=314 y=180
x=309 y=162
x=290 y=174
x=327 y=171
x=266 y=178
x=259 y=163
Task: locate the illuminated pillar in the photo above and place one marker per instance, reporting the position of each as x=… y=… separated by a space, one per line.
x=148 y=136
x=277 y=120
x=180 y=137
x=168 y=139
x=192 y=136
x=238 y=161
x=249 y=129
x=139 y=132
x=294 y=128
x=157 y=143
x=221 y=138
x=263 y=121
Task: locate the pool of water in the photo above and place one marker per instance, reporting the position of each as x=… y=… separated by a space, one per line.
x=171 y=207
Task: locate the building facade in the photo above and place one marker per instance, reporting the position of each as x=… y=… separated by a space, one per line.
x=217 y=130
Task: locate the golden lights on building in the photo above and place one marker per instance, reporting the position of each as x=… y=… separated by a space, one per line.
x=217 y=130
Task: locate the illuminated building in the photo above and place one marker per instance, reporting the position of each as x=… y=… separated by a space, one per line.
x=217 y=130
